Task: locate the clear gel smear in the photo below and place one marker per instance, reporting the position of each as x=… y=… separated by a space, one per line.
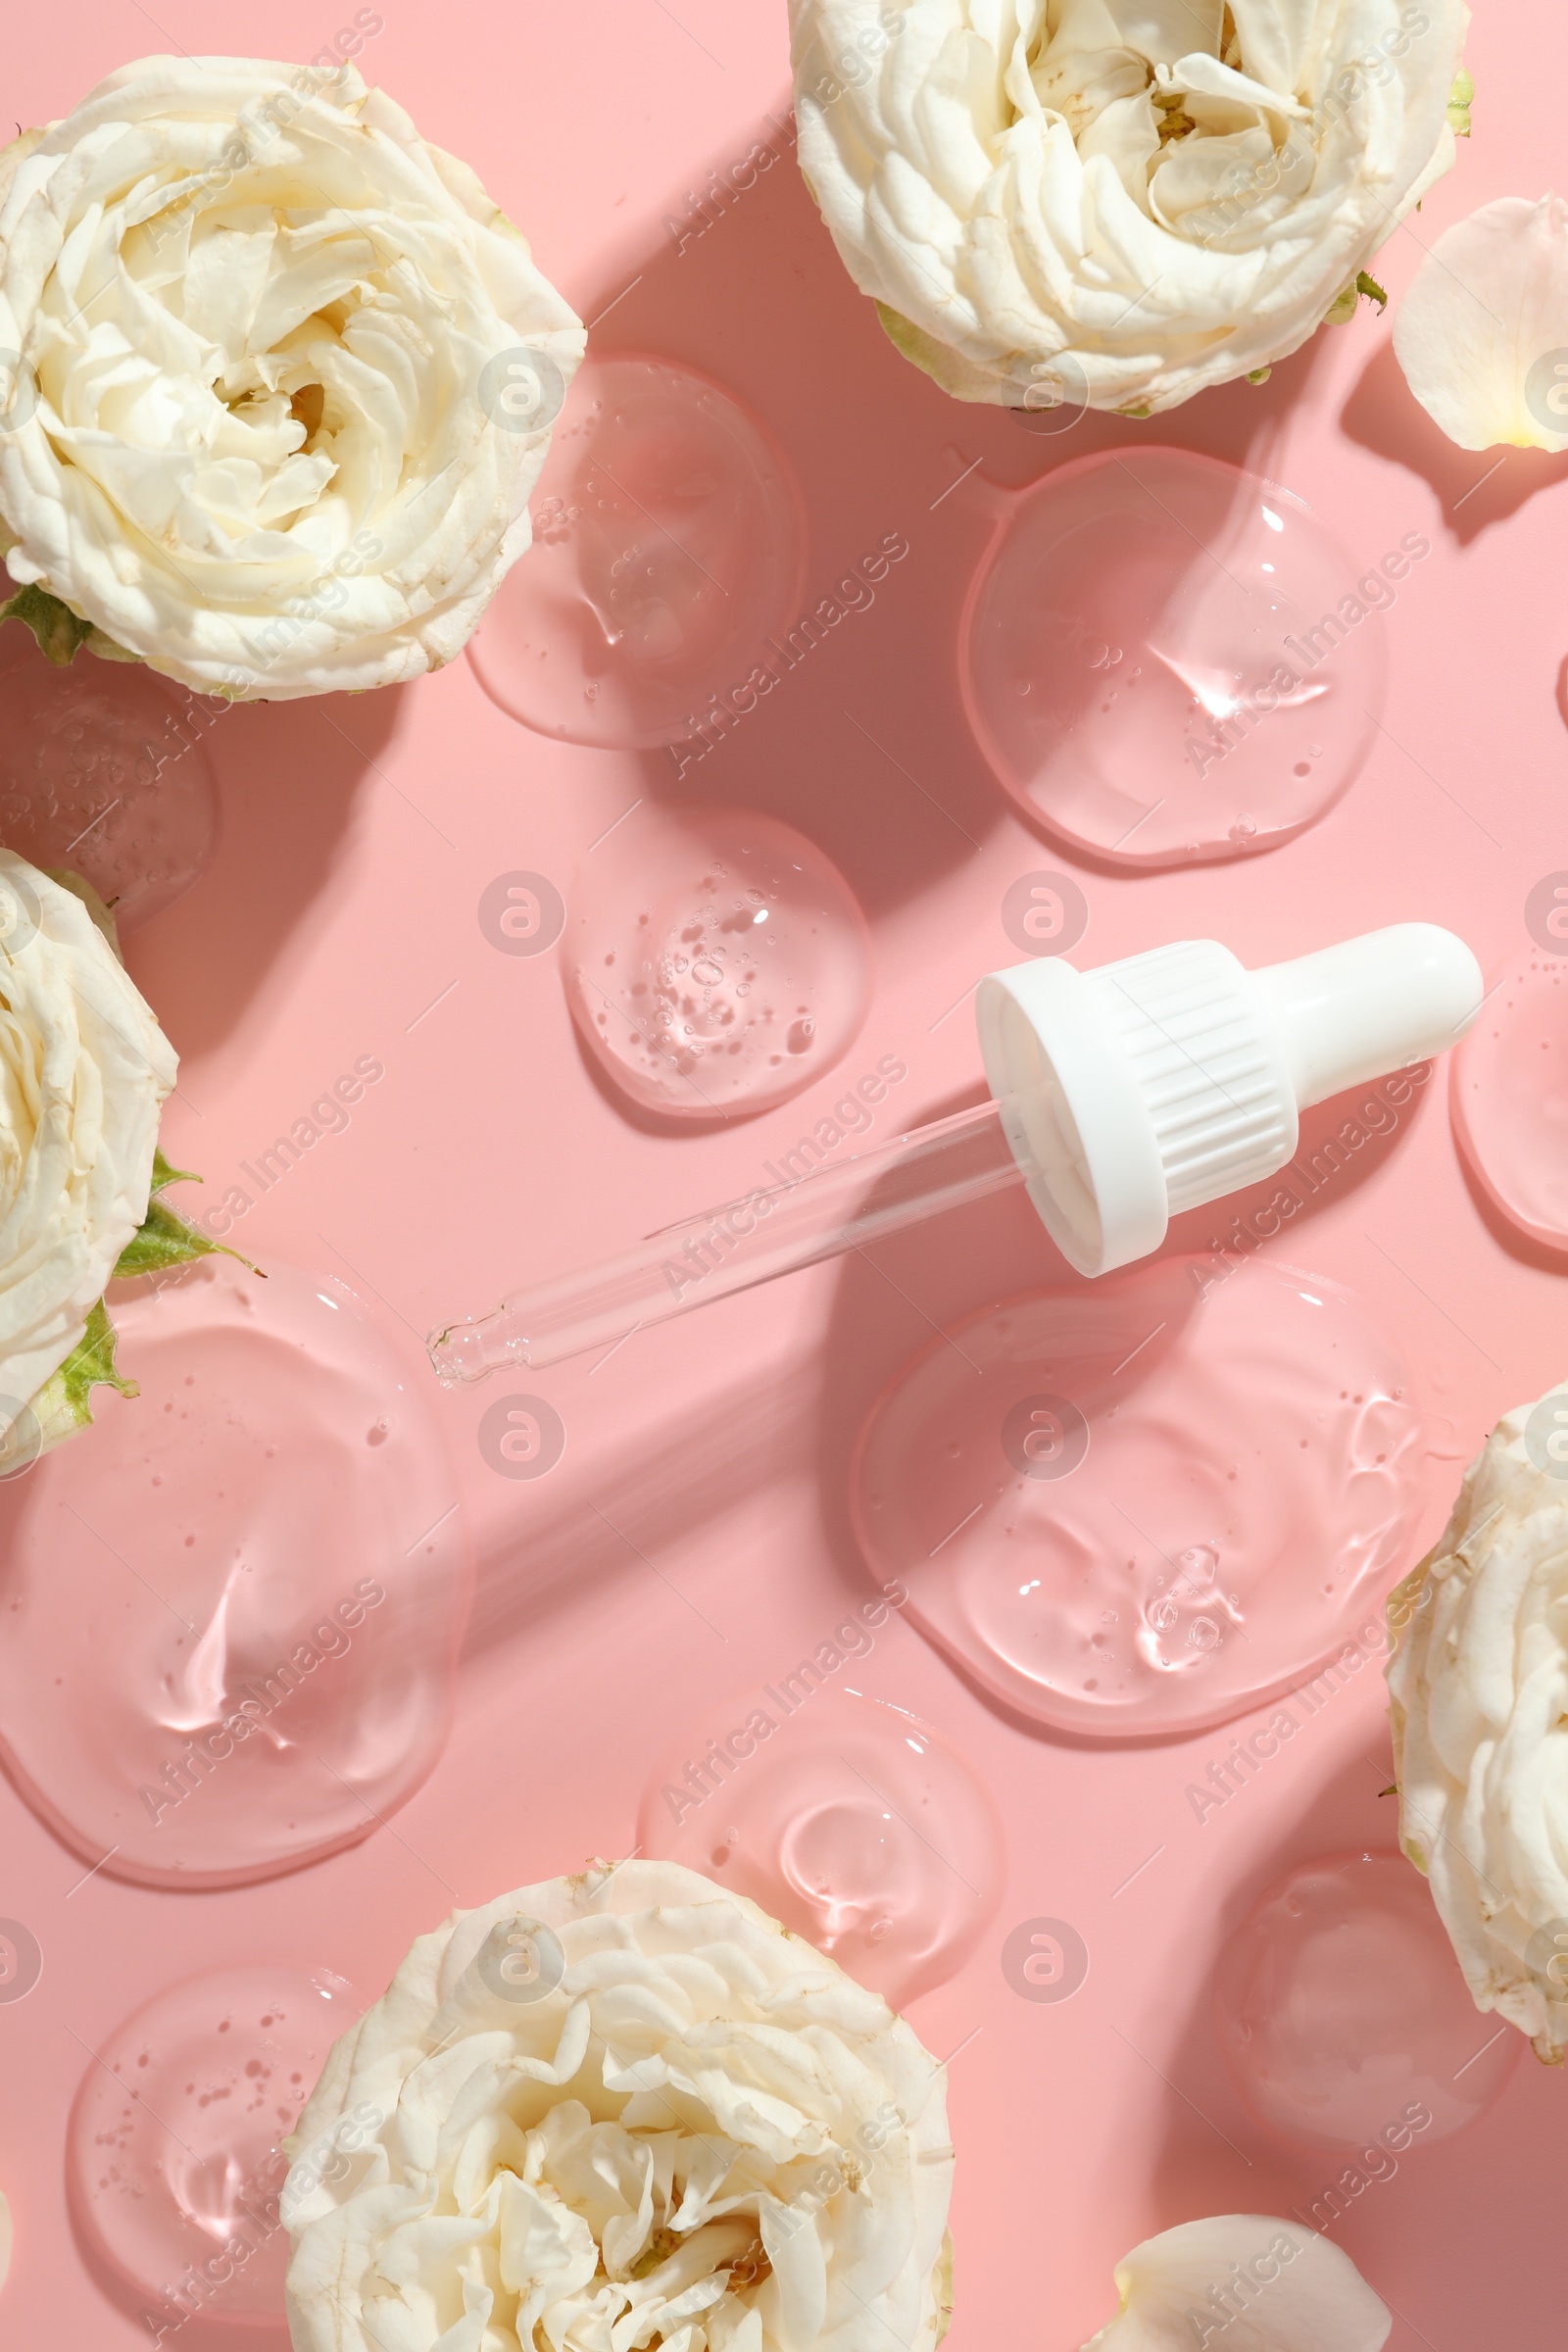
x=849 y=1819
x=228 y=1610
x=103 y=770
x=715 y=963
x=1344 y=2015
x=1167 y=660
x=176 y=2156
x=1508 y=1092
x=668 y=549
x=1146 y=1505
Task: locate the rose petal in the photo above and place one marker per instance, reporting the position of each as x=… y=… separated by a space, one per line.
x=1242 y=2283
x=1483 y=333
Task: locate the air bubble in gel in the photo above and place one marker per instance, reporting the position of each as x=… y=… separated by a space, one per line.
x=1168 y=660
x=103 y=770
x=266 y=1544
x=1509 y=1099
x=850 y=1820
x=1148 y=1504
x=715 y=963
x=175 y=2149
x=1345 y=2018
x=668 y=549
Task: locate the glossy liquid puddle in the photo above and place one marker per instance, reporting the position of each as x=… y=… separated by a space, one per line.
x=716 y=962
x=265 y=1546
x=1344 y=2015
x=103 y=770
x=1166 y=661
x=1148 y=1504
x=1508 y=1092
x=669 y=546
x=175 y=2151
x=853 y=1821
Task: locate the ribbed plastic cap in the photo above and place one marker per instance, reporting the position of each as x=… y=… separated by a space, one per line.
x=1146 y=1086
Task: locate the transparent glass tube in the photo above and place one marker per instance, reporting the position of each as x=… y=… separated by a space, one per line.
x=780 y=1225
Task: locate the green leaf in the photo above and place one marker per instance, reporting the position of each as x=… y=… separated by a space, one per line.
x=58 y=629
x=1371 y=289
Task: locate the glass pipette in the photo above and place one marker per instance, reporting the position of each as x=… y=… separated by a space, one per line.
x=770 y=1230
x=1120 y=1097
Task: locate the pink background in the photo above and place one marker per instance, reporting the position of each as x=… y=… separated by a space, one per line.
x=359 y=837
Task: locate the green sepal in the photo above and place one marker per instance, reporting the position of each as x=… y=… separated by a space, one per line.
x=164 y=1175
x=91 y=1365
x=165 y=1238
x=59 y=631
x=1460 y=100
x=1350 y=298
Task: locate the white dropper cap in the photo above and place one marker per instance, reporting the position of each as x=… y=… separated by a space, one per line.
x=1146 y=1086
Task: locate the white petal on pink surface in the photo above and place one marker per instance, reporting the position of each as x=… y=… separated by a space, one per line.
x=1243 y=2282
x=1483 y=333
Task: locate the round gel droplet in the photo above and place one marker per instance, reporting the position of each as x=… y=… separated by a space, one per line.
x=669 y=548
x=275 y=1603
x=175 y=2147
x=104 y=770
x=1228 y=610
x=853 y=1821
x=1154 y=1473
x=715 y=963
x=1345 y=2018
x=1508 y=1095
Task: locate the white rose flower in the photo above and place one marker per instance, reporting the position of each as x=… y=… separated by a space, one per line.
x=1243 y=2282
x=280 y=379
x=613 y=2111
x=1479 y=1704
x=1116 y=203
x=84 y=1070
x=1483 y=333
